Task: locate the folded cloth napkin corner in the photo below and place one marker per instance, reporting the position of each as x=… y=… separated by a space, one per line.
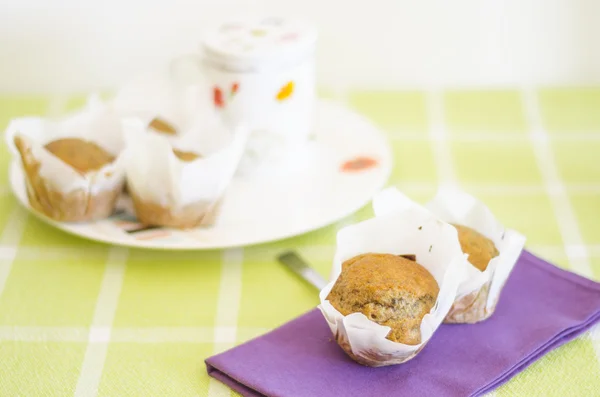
x=541 y=307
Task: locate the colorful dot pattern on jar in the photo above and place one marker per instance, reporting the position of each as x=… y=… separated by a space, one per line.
x=285 y=92
x=358 y=164
x=258 y=36
x=219 y=99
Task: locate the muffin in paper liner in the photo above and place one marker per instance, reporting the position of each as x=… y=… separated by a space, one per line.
x=167 y=191
x=55 y=188
x=167 y=105
x=404 y=232
x=479 y=292
x=163 y=105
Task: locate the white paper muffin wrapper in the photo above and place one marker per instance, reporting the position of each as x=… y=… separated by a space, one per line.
x=409 y=231
x=452 y=205
x=156 y=175
x=189 y=110
x=96 y=123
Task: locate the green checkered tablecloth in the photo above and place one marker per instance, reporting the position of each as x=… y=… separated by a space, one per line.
x=84 y=319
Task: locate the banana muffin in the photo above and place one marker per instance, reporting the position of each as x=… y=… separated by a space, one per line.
x=82 y=155
x=390 y=290
x=479 y=248
x=78 y=204
x=185 y=156
x=159 y=125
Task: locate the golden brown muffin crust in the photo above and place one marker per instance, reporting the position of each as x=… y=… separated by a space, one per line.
x=82 y=155
x=480 y=248
x=388 y=289
x=202 y=213
x=160 y=125
x=186 y=156
x=76 y=206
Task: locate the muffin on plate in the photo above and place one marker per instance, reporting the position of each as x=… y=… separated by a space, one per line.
x=73 y=168
x=83 y=156
x=161 y=126
x=389 y=289
x=178 y=182
x=186 y=156
x=163 y=105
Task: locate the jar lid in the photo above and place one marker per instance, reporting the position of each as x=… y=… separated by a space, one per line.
x=259 y=43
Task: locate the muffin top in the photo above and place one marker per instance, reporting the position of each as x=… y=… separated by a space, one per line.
x=160 y=125
x=185 y=156
x=82 y=155
x=388 y=289
x=480 y=248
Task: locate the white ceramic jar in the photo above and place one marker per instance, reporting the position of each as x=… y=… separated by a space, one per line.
x=262 y=72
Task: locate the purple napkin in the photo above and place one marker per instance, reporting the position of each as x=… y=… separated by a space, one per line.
x=541 y=308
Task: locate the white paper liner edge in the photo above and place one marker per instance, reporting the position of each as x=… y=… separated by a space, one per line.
x=456 y=206
x=95 y=123
x=158 y=176
x=410 y=231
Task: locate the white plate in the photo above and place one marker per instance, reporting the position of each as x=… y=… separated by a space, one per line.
x=338 y=173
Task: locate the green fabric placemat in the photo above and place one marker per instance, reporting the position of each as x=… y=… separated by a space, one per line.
x=84 y=319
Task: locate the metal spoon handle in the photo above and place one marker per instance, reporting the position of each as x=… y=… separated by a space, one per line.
x=295 y=263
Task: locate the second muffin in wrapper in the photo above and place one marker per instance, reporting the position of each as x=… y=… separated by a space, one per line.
x=479 y=292
x=58 y=189
x=412 y=231
x=167 y=190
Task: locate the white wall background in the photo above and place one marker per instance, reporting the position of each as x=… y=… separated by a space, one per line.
x=77 y=45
